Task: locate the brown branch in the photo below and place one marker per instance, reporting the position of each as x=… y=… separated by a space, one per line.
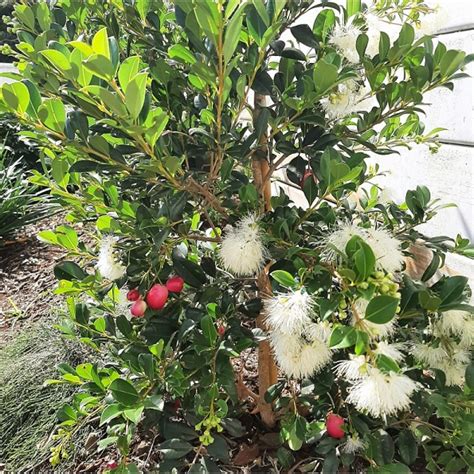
x=267 y=369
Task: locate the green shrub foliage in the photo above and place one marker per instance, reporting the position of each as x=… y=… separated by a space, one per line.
x=163 y=122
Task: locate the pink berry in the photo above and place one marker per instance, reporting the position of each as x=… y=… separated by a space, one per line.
x=221 y=329
x=112 y=465
x=175 y=284
x=138 y=308
x=157 y=296
x=333 y=426
x=133 y=295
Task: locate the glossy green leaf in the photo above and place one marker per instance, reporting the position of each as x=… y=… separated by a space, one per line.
x=232 y=34
x=17 y=96
x=181 y=52
x=100 y=43
x=69 y=271
x=135 y=94
x=124 y=392
x=284 y=278
x=127 y=70
x=381 y=309
x=324 y=76
x=53 y=114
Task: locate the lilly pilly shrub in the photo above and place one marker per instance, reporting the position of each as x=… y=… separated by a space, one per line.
x=170 y=128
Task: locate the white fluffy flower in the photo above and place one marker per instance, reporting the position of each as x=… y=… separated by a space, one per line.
x=394 y=350
x=108 y=264
x=467 y=336
x=374 y=330
x=353 y=445
x=375 y=26
x=337 y=240
x=429 y=355
x=352 y=369
x=452 y=360
x=242 y=251
x=289 y=312
x=380 y=394
x=297 y=356
x=344 y=38
x=456 y=323
x=348 y=98
x=431 y=23
x=386 y=248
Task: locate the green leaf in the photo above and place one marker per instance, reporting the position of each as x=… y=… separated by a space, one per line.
x=53 y=114
x=175 y=448
x=304 y=35
x=364 y=260
x=134 y=414
x=57 y=59
x=127 y=70
x=470 y=376
x=407 y=447
x=232 y=35
x=17 y=96
x=342 y=337
x=209 y=329
x=100 y=66
x=207 y=16
x=381 y=309
x=69 y=271
x=100 y=43
x=452 y=289
x=387 y=364
x=353 y=7
x=135 y=94
x=324 y=76
x=181 y=52
x=284 y=278
x=157 y=348
x=191 y=272
x=147 y=363
x=124 y=392
x=143 y=7
x=451 y=61
x=310 y=189
x=331 y=463
x=124 y=325
x=110 y=412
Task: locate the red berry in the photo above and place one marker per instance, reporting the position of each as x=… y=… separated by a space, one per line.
x=133 y=295
x=221 y=329
x=175 y=284
x=111 y=465
x=138 y=308
x=333 y=426
x=157 y=296
x=177 y=404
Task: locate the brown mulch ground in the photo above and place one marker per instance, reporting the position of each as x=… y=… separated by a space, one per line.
x=27 y=281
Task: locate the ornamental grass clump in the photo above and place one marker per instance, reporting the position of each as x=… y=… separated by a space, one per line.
x=140 y=110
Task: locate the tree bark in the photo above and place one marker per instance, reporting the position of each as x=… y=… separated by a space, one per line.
x=267 y=369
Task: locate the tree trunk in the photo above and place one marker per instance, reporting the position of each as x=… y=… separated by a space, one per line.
x=267 y=369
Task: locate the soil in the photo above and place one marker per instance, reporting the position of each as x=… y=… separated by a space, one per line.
x=27 y=281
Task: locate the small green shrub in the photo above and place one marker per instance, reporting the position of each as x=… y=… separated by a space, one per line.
x=137 y=105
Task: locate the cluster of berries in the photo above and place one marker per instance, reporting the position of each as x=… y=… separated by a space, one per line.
x=155 y=298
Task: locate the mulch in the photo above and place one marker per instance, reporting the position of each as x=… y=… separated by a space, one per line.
x=27 y=281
